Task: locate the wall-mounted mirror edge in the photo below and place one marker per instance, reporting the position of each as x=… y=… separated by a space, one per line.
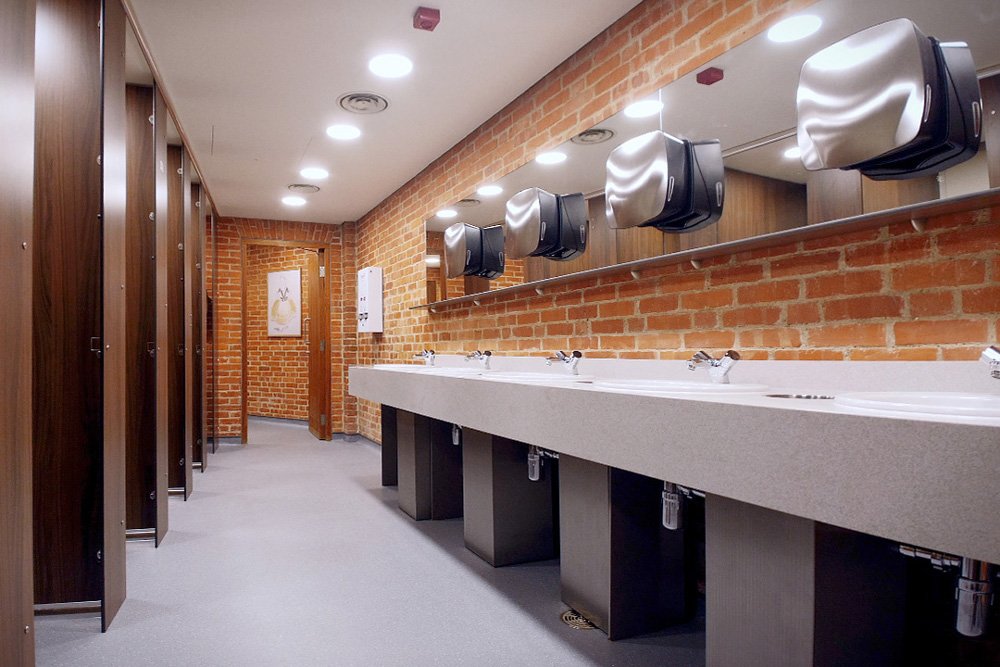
x=911 y=213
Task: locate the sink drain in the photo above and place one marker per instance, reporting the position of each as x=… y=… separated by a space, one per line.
x=574 y=620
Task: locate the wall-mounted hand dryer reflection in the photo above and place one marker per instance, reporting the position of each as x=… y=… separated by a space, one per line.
x=657 y=180
x=541 y=224
x=473 y=251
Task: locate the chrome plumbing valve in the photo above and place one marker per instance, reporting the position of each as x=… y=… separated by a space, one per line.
x=570 y=361
x=718 y=369
x=991 y=357
x=482 y=357
x=427 y=356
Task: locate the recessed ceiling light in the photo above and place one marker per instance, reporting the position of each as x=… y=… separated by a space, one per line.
x=793 y=153
x=447 y=213
x=293 y=201
x=794 y=28
x=552 y=157
x=390 y=65
x=343 y=132
x=643 y=108
x=314 y=173
x=489 y=190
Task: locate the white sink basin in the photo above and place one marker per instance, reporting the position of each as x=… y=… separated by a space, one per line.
x=940 y=403
x=538 y=378
x=451 y=371
x=680 y=387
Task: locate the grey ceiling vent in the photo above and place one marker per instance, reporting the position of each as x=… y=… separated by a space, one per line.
x=363 y=103
x=303 y=188
x=596 y=135
x=468 y=202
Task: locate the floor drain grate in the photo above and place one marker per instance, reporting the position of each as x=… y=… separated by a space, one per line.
x=574 y=620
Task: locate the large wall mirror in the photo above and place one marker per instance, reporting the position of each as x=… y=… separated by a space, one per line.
x=751 y=111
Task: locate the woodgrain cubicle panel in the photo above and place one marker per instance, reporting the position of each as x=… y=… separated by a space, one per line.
x=67 y=315
x=175 y=315
x=187 y=340
x=114 y=306
x=17 y=34
x=140 y=440
x=164 y=353
x=194 y=247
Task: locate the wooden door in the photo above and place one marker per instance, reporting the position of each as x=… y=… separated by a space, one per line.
x=194 y=246
x=319 y=345
x=140 y=373
x=164 y=357
x=187 y=280
x=114 y=297
x=17 y=34
x=67 y=317
x=175 y=316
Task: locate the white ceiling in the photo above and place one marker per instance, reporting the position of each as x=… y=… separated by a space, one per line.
x=255 y=83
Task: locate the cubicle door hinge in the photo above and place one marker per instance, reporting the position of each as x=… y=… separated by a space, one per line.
x=322 y=420
x=322 y=272
x=322 y=346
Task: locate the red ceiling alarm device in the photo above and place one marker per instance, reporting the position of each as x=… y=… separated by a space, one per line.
x=426 y=18
x=708 y=76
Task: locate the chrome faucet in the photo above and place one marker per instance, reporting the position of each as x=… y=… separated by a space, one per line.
x=718 y=369
x=427 y=356
x=482 y=357
x=991 y=356
x=569 y=361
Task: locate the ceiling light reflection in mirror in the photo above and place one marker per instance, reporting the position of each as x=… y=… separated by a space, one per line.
x=343 y=132
x=314 y=173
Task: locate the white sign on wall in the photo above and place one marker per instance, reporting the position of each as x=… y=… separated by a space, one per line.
x=284 y=303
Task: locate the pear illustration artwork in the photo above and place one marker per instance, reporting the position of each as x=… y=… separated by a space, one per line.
x=283 y=309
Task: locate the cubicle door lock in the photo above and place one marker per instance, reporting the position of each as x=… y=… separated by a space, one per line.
x=95 y=345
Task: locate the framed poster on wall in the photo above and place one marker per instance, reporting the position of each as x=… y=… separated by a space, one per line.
x=284 y=303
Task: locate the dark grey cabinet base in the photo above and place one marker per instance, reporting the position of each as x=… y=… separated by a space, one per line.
x=508 y=518
x=429 y=468
x=390 y=474
x=786 y=590
x=619 y=567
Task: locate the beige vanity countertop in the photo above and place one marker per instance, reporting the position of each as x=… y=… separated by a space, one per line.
x=925 y=482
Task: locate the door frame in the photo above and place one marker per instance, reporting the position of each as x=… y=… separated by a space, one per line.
x=325 y=287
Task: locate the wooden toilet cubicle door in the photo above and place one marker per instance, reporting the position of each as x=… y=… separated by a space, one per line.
x=17 y=33
x=78 y=360
x=194 y=261
x=140 y=439
x=319 y=345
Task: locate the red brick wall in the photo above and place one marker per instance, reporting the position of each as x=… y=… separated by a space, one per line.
x=277 y=368
x=888 y=293
x=231 y=235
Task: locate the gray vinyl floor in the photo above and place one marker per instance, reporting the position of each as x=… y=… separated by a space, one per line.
x=290 y=552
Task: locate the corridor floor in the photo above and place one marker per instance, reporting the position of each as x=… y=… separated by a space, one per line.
x=290 y=552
